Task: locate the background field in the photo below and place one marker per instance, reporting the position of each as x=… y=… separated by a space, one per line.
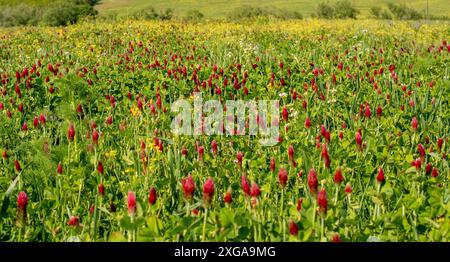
x=220 y=8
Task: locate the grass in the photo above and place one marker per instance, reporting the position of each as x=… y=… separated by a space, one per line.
x=220 y=8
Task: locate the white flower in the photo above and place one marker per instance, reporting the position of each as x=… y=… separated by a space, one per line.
x=294 y=113
x=332 y=101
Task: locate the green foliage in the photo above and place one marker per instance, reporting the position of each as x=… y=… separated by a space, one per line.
x=340 y=10
x=375 y=11
x=403 y=12
x=248 y=12
x=166 y=15
x=194 y=15
x=345 y=9
x=386 y=15
x=325 y=10
x=66 y=13
x=149 y=13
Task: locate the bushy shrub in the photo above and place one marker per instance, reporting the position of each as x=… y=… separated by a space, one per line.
x=397 y=11
x=403 y=12
x=148 y=13
x=166 y=15
x=66 y=13
x=194 y=15
x=248 y=12
x=386 y=15
x=345 y=9
x=325 y=10
x=375 y=11
x=340 y=10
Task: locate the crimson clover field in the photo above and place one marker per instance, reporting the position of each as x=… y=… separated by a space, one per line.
x=88 y=153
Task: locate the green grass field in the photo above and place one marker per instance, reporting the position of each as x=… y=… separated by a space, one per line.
x=220 y=8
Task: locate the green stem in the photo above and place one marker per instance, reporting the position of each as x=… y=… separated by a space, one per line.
x=282 y=215
x=204 y=224
x=377 y=206
x=314 y=216
x=20 y=234
x=95 y=219
x=259 y=232
x=255 y=233
x=131 y=235
x=336 y=195
x=322 y=227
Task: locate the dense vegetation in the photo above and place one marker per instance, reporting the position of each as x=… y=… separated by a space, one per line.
x=88 y=153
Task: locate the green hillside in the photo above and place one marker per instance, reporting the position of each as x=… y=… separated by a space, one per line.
x=220 y=8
